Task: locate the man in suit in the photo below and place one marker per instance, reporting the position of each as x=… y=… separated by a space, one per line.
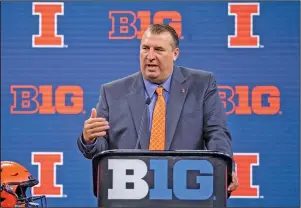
x=162 y=107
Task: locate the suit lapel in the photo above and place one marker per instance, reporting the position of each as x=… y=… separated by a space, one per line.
x=175 y=104
x=136 y=100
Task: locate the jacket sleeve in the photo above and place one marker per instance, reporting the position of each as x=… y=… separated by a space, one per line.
x=217 y=136
x=101 y=143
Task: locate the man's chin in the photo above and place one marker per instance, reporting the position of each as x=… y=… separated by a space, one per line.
x=153 y=79
x=151 y=75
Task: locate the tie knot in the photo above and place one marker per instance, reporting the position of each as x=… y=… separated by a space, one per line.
x=159 y=91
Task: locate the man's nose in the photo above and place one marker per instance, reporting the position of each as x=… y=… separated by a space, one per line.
x=151 y=54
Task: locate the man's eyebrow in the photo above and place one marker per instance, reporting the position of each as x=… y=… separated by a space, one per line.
x=157 y=47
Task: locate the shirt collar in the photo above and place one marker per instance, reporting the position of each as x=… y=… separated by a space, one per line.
x=151 y=87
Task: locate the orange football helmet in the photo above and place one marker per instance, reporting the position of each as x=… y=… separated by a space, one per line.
x=16 y=184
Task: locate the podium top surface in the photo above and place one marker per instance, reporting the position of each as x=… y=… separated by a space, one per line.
x=135 y=152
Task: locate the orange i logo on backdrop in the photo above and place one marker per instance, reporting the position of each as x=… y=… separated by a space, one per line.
x=47 y=163
x=48 y=36
x=245 y=173
x=125 y=23
x=244 y=25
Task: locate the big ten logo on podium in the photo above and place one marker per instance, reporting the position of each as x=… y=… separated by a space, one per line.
x=46 y=99
x=130 y=25
x=244 y=100
x=128 y=180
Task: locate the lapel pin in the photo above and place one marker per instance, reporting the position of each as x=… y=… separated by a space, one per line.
x=183 y=90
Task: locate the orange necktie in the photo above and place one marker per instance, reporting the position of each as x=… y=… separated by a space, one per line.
x=157 y=140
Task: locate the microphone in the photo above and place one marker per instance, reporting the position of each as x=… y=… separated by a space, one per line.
x=147 y=102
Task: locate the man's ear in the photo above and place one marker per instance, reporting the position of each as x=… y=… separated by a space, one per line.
x=176 y=53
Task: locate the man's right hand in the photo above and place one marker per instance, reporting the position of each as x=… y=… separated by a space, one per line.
x=94 y=127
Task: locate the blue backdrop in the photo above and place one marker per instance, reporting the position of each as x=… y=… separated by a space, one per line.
x=45 y=128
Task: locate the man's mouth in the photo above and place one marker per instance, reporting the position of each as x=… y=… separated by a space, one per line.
x=151 y=65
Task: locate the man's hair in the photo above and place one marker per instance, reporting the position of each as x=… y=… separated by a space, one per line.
x=161 y=28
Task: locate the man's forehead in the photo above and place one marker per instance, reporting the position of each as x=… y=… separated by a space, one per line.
x=163 y=35
x=161 y=39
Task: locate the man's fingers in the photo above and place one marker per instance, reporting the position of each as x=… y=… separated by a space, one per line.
x=98 y=134
x=88 y=136
x=92 y=120
x=231 y=187
x=234 y=183
x=93 y=113
x=97 y=129
x=96 y=125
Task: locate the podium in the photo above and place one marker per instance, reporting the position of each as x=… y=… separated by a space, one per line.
x=171 y=179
